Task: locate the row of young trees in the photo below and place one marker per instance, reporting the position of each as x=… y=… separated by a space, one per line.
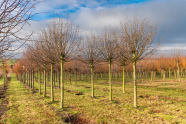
x=14 y=15
x=60 y=41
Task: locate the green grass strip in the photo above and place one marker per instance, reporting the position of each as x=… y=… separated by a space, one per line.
x=25 y=107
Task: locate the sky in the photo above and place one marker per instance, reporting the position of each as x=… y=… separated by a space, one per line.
x=94 y=15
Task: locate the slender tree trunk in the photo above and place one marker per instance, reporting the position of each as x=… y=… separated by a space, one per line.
x=52 y=93
x=163 y=74
x=4 y=75
x=37 y=76
x=54 y=82
x=110 y=80
x=92 y=78
x=70 y=77
x=151 y=75
x=101 y=76
x=23 y=77
x=44 y=80
x=76 y=78
x=169 y=73
x=135 y=84
x=62 y=85
x=59 y=78
x=39 y=80
x=31 y=76
x=27 y=78
x=124 y=78
x=33 y=81
x=178 y=72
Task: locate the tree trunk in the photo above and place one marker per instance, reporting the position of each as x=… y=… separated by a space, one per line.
x=135 y=84
x=101 y=76
x=123 y=78
x=151 y=75
x=110 y=80
x=48 y=77
x=178 y=72
x=4 y=75
x=27 y=78
x=54 y=79
x=33 y=81
x=70 y=77
x=44 y=80
x=92 y=78
x=76 y=78
x=169 y=73
x=52 y=93
x=174 y=73
x=59 y=78
x=39 y=80
x=62 y=85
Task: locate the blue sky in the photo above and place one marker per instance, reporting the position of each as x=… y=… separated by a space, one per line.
x=93 y=15
x=73 y=6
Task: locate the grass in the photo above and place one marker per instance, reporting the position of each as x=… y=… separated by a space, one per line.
x=1 y=81
x=12 y=61
x=158 y=102
x=25 y=107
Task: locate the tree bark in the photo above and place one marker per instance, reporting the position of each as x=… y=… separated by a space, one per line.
x=39 y=80
x=4 y=75
x=123 y=78
x=44 y=80
x=59 y=78
x=27 y=78
x=92 y=78
x=76 y=78
x=52 y=93
x=33 y=81
x=135 y=84
x=62 y=85
x=110 y=80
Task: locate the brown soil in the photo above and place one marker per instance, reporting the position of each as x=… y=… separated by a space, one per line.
x=4 y=100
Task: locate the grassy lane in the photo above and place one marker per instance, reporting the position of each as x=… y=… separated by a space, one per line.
x=25 y=107
x=157 y=105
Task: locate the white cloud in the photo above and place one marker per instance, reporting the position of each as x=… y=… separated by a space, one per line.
x=170 y=15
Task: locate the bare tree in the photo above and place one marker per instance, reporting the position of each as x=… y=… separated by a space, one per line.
x=109 y=43
x=177 y=56
x=47 y=52
x=122 y=62
x=138 y=37
x=62 y=38
x=34 y=55
x=91 y=54
x=14 y=14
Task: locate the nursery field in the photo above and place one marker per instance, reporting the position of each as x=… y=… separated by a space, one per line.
x=158 y=102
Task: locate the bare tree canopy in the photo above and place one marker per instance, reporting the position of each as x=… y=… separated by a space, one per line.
x=138 y=37
x=14 y=14
x=90 y=49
